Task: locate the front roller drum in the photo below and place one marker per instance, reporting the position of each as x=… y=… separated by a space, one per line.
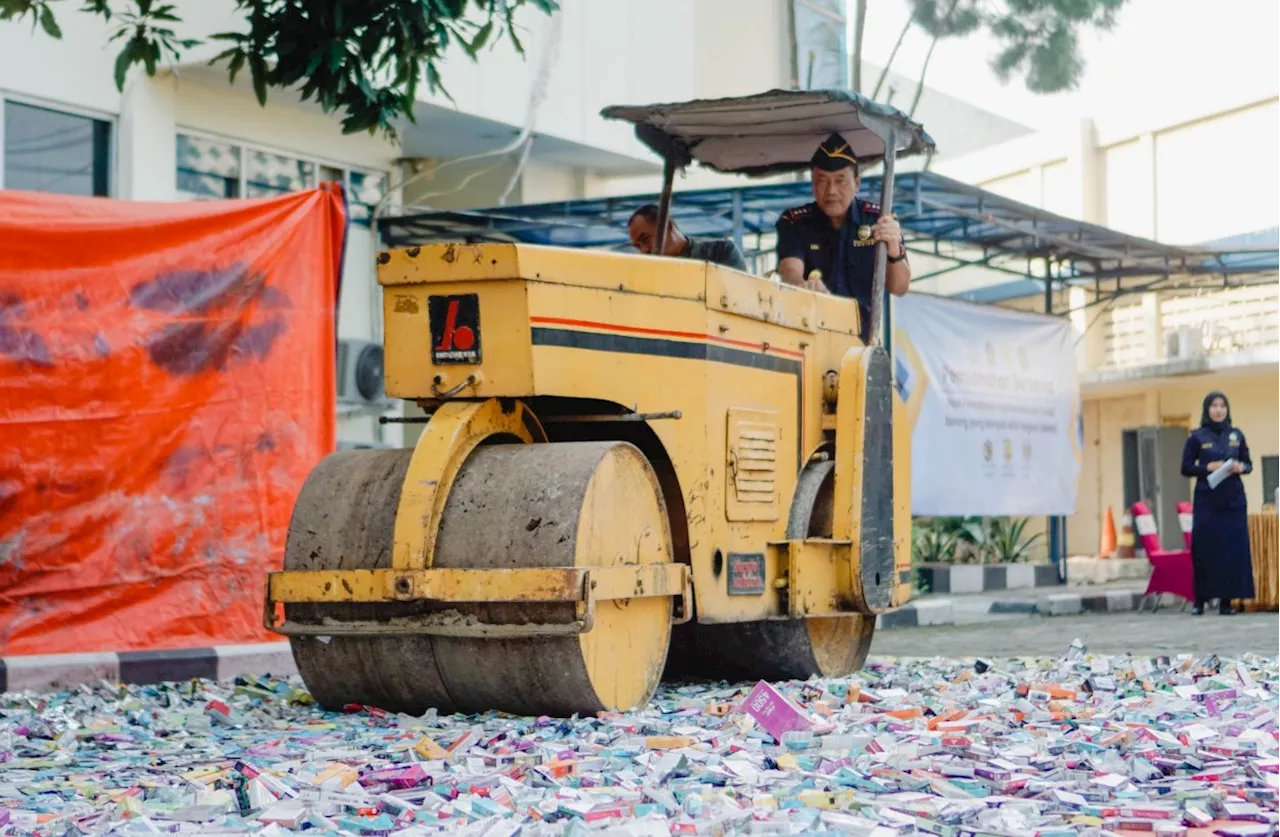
x=512 y=506
x=790 y=649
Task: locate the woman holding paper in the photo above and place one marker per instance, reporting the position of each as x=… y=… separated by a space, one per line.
x=1216 y=455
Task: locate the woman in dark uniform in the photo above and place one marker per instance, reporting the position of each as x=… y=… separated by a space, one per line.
x=1220 y=526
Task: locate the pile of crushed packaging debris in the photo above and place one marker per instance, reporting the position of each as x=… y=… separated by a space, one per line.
x=1084 y=745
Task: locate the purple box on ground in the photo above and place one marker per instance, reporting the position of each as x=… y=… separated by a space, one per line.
x=773 y=711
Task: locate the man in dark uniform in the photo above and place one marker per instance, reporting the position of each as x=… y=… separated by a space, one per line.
x=828 y=246
x=642 y=227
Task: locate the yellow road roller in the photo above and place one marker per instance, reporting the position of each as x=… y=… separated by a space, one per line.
x=618 y=448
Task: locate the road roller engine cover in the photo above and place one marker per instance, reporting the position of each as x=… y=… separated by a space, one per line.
x=629 y=463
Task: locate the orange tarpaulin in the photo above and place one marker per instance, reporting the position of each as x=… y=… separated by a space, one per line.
x=166 y=384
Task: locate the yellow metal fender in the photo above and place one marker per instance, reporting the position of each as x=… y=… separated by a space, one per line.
x=850 y=407
x=904 y=575
x=870 y=473
x=455 y=430
x=584 y=586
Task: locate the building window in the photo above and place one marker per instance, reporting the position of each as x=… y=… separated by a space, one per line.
x=364 y=190
x=271 y=175
x=821 y=46
x=207 y=169
x=52 y=151
x=213 y=169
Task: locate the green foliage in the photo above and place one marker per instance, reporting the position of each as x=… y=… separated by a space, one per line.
x=946 y=18
x=967 y=530
x=364 y=59
x=1003 y=541
x=932 y=545
x=971 y=540
x=945 y=540
x=1039 y=39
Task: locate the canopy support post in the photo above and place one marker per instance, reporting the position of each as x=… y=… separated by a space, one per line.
x=1056 y=526
x=879 y=295
x=664 y=206
x=737 y=218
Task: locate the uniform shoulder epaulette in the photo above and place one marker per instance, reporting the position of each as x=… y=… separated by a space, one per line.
x=797 y=212
x=868 y=206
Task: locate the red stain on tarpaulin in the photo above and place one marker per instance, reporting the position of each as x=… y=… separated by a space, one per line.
x=166 y=384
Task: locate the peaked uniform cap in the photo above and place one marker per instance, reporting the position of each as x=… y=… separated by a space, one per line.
x=834 y=154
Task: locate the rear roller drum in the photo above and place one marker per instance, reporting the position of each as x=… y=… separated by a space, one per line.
x=344 y=519
x=792 y=649
x=511 y=506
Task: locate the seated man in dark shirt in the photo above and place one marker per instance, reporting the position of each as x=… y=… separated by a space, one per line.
x=642 y=227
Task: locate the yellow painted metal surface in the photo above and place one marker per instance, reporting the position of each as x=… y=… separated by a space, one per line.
x=471 y=263
x=507 y=370
x=837 y=316
x=626 y=581
x=649 y=335
x=441 y=585
x=760 y=299
x=850 y=479
x=903 y=575
x=455 y=430
x=818 y=576
x=627 y=646
x=751 y=465
x=850 y=429
x=535 y=584
x=653 y=354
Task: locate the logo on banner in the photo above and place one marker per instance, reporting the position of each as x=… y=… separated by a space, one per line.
x=987 y=449
x=911 y=376
x=1077 y=418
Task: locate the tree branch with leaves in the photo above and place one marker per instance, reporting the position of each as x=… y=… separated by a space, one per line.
x=1038 y=39
x=362 y=59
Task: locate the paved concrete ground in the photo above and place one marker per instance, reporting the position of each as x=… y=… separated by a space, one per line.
x=1064 y=600
x=1165 y=632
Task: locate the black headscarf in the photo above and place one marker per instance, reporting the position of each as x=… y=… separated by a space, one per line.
x=1205 y=421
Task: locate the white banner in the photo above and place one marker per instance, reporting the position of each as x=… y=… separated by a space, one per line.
x=994 y=405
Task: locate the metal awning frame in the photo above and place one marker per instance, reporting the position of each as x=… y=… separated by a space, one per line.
x=941 y=218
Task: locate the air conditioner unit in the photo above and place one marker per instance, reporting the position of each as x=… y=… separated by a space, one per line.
x=360 y=379
x=1184 y=343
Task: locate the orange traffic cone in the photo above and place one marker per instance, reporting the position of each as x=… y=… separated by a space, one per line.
x=1108 y=546
x=1126 y=537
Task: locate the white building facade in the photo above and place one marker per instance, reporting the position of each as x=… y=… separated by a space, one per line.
x=187 y=134
x=1206 y=175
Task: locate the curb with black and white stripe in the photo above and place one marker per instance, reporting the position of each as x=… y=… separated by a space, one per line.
x=942 y=611
x=47 y=672
x=944 y=579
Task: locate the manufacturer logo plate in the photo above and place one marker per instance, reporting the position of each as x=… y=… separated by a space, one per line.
x=746 y=573
x=455 y=328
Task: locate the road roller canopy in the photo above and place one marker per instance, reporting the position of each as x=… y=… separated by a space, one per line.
x=771 y=132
